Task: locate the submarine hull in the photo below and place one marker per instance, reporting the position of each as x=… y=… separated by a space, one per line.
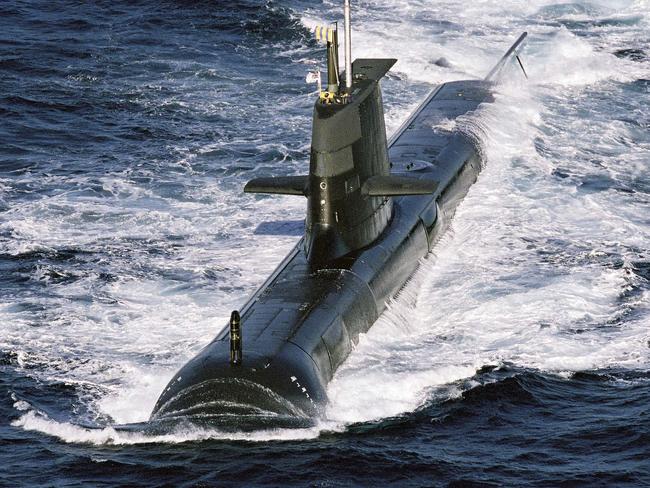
x=302 y=323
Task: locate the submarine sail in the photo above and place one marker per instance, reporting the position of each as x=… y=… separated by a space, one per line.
x=375 y=207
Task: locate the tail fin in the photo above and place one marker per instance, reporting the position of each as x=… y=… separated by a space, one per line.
x=495 y=73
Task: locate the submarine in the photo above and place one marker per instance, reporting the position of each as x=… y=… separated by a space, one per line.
x=375 y=207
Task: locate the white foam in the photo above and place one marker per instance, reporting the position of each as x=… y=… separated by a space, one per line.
x=73 y=433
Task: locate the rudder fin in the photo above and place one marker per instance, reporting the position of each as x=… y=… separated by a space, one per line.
x=494 y=73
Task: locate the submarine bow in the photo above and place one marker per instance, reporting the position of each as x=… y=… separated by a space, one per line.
x=375 y=207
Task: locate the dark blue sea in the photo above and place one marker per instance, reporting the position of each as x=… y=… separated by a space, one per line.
x=519 y=353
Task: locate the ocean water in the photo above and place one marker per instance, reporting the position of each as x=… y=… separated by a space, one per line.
x=519 y=353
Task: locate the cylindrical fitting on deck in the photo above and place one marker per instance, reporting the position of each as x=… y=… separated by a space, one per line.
x=235 y=339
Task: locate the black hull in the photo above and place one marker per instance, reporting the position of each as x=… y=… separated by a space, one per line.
x=302 y=323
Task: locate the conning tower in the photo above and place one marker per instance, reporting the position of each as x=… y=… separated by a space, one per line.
x=349 y=185
x=348 y=149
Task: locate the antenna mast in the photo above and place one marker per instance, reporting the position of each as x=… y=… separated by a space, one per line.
x=348 y=46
